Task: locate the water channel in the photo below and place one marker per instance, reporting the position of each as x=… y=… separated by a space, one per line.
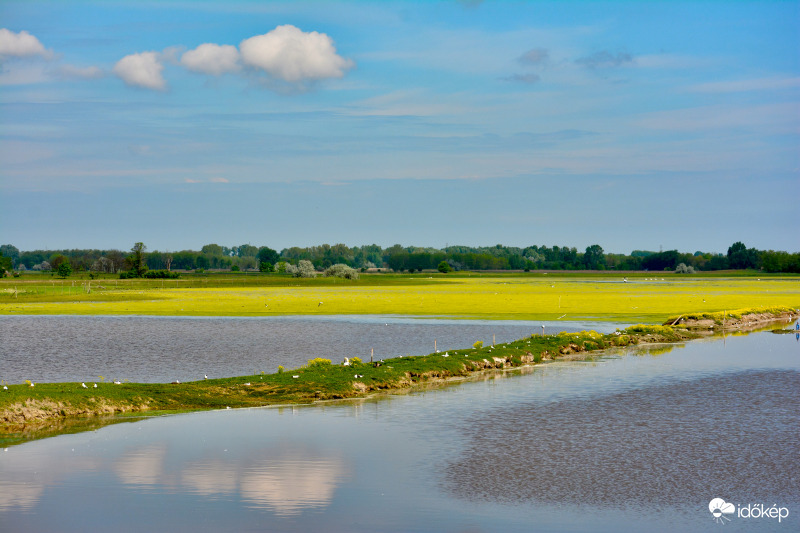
x=641 y=439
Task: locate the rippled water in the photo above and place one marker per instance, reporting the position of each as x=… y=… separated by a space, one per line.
x=638 y=441
x=163 y=349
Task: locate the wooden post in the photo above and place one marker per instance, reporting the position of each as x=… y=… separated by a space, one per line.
x=371 y=354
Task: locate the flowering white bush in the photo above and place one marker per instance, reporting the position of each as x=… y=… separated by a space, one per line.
x=340 y=270
x=305 y=269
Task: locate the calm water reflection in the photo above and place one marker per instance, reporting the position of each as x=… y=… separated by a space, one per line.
x=633 y=442
x=163 y=349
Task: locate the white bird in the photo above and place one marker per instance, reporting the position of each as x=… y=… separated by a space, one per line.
x=446 y=354
x=319 y=304
x=84 y=385
x=346 y=362
x=95 y=385
x=562 y=316
x=247 y=384
x=295 y=377
x=117 y=382
x=358 y=376
x=205 y=376
x=5 y=388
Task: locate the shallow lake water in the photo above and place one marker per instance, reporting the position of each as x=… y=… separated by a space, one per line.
x=163 y=349
x=639 y=440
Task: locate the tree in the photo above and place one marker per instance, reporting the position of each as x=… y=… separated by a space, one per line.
x=5 y=265
x=10 y=251
x=246 y=250
x=594 y=259
x=739 y=256
x=56 y=260
x=267 y=255
x=64 y=270
x=661 y=261
x=263 y=266
x=212 y=249
x=444 y=267
x=136 y=260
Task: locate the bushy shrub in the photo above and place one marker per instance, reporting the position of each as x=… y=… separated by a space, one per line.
x=340 y=270
x=286 y=268
x=478 y=345
x=683 y=269
x=318 y=361
x=305 y=269
x=355 y=360
x=160 y=274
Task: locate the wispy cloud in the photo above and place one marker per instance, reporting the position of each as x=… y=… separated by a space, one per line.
x=605 y=59
x=523 y=78
x=84 y=73
x=535 y=56
x=210 y=180
x=736 y=86
x=23 y=75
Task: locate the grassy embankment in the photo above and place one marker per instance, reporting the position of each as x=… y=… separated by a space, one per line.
x=46 y=408
x=645 y=297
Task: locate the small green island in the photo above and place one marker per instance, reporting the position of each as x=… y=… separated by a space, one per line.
x=36 y=410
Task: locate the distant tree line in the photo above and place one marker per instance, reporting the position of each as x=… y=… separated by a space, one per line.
x=247 y=257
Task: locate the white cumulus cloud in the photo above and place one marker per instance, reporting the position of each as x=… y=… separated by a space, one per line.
x=210 y=58
x=141 y=70
x=292 y=55
x=21 y=44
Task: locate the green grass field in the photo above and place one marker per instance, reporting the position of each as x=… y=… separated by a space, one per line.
x=568 y=296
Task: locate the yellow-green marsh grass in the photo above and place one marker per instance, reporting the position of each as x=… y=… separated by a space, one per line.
x=504 y=297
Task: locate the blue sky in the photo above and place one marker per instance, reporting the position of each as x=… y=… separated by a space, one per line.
x=633 y=125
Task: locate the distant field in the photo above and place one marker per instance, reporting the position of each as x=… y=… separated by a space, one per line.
x=538 y=296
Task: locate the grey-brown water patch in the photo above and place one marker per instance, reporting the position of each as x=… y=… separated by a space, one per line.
x=666 y=445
